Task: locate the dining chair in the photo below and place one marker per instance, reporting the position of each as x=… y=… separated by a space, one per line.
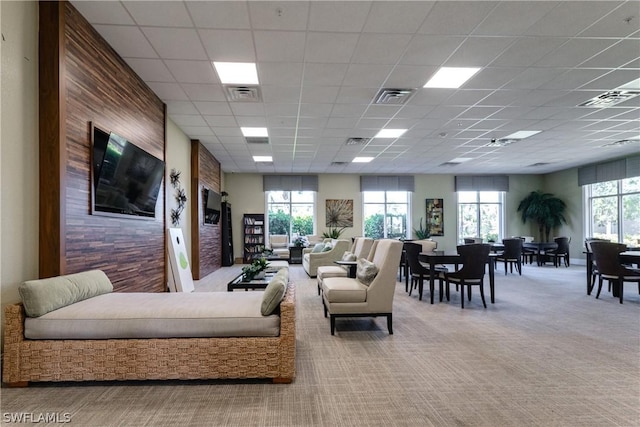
x=419 y=271
x=561 y=252
x=511 y=255
x=594 y=269
x=474 y=258
x=606 y=255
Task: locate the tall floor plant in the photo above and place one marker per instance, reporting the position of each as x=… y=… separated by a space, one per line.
x=544 y=209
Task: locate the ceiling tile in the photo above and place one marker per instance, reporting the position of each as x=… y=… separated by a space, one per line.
x=175 y=43
x=98 y=12
x=159 y=13
x=278 y=15
x=219 y=14
x=129 y=42
x=330 y=47
x=203 y=92
x=192 y=71
x=274 y=46
x=228 y=45
x=396 y=16
x=338 y=16
x=151 y=70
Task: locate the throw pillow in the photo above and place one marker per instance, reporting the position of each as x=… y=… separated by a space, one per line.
x=317 y=248
x=327 y=247
x=366 y=271
x=273 y=294
x=349 y=256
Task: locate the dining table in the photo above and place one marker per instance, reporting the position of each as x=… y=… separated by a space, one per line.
x=539 y=248
x=444 y=257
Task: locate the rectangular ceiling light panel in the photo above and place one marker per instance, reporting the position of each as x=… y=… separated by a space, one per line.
x=262 y=158
x=237 y=72
x=254 y=132
x=451 y=77
x=390 y=133
x=522 y=134
x=362 y=159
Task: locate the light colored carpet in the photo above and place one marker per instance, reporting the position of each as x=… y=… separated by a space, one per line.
x=545 y=354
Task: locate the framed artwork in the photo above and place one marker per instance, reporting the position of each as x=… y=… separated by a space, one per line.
x=435 y=216
x=339 y=213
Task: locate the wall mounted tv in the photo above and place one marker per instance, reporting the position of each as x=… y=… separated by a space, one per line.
x=212 y=206
x=126 y=179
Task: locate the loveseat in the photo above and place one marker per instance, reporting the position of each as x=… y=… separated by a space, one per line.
x=85 y=332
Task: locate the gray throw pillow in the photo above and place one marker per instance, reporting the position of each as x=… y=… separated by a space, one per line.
x=327 y=247
x=366 y=271
x=317 y=248
x=349 y=256
x=273 y=294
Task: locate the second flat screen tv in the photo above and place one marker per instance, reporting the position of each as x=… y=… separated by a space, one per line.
x=212 y=205
x=127 y=179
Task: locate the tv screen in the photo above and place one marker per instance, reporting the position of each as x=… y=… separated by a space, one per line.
x=126 y=179
x=212 y=206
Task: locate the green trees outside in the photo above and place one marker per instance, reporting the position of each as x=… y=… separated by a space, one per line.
x=374 y=226
x=303 y=225
x=280 y=222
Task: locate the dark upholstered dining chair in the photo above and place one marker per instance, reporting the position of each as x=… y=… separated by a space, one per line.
x=511 y=255
x=419 y=272
x=474 y=258
x=561 y=252
x=594 y=268
x=606 y=256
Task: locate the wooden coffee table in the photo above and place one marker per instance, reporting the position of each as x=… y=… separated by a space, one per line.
x=238 y=283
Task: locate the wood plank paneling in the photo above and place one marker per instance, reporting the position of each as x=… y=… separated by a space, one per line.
x=206 y=246
x=100 y=87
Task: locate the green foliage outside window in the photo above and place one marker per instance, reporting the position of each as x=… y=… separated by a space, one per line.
x=374 y=226
x=279 y=222
x=303 y=225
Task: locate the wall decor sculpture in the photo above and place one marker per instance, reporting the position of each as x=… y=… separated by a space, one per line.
x=339 y=213
x=435 y=217
x=181 y=197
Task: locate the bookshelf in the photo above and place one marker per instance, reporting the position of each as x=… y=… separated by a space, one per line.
x=253 y=236
x=227 y=240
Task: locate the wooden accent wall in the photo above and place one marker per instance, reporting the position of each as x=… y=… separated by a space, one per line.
x=206 y=240
x=83 y=80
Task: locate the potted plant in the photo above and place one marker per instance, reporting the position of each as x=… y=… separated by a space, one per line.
x=254 y=270
x=333 y=233
x=422 y=233
x=299 y=242
x=545 y=209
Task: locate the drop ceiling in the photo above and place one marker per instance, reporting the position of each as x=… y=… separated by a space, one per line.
x=322 y=63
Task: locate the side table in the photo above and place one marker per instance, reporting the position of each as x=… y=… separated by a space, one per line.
x=295 y=254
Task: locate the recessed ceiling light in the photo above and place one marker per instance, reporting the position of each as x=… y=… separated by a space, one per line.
x=237 y=72
x=254 y=131
x=390 y=133
x=451 y=77
x=362 y=159
x=262 y=158
x=460 y=159
x=522 y=134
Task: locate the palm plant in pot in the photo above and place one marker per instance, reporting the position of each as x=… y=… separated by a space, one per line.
x=422 y=233
x=333 y=233
x=545 y=209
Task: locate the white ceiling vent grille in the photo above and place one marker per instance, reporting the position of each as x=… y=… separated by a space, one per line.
x=257 y=139
x=387 y=96
x=339 y=163
x=501 y=142
x=622 y=142
x=358 y=141
x=610 y=98
x=450 y=164
x=242 y=93
x=539 y=164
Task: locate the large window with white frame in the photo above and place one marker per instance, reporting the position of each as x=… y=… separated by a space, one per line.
x=613 y=210
x=386 y=214
x=480 y=214
x=291 y=212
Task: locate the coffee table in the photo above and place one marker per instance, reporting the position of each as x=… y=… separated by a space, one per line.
x=238 y=283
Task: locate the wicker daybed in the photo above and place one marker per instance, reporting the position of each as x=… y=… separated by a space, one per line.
x=28 y=360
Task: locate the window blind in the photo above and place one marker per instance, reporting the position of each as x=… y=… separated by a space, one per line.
x=609 y=171
x=482 y=183
x=290 y=183
x=387 y=183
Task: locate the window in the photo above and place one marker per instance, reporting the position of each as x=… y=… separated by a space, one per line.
x=613 y=210
x=385 y=214
x=480 y=214
x=291 y=212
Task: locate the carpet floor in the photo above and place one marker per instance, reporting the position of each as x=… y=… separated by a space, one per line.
x=545 y=354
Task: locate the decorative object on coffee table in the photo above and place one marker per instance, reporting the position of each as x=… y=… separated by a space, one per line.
x=255 y=269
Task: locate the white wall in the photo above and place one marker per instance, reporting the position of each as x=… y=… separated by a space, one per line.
x=178 y=155
x=18 y=148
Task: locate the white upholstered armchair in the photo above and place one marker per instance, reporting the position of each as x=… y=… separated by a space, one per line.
x=312 y=260
x=346 y=297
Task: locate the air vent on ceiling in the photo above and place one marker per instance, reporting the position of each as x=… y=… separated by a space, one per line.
x=449 y=164
x=622 y=142
x=257 y=139
x=339 y=163
x=535 y=165
x=501 y=142
x=610 y=98
x=387 y=96
x=242 y=93
x=358 y=141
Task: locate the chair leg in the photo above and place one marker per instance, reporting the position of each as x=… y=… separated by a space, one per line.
x=519 y=267
x=325 y=308
x=420 y=282
x=390 y=323
x=411 y=287
x=462 y=295
x=333 y=325
x=600 y=286
x=621 y=290
x=468 y=292
x=482 y=294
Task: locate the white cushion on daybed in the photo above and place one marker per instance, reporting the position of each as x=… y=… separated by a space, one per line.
x=157 y=315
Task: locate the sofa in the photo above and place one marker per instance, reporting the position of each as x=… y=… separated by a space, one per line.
x=74 y=328
x=332 y=252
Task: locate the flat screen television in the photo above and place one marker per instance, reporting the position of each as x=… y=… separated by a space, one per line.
x=126 y=179
x=212 y=206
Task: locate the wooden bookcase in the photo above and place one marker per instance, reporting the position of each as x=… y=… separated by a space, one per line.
x=226 y=234
x=253 y=236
